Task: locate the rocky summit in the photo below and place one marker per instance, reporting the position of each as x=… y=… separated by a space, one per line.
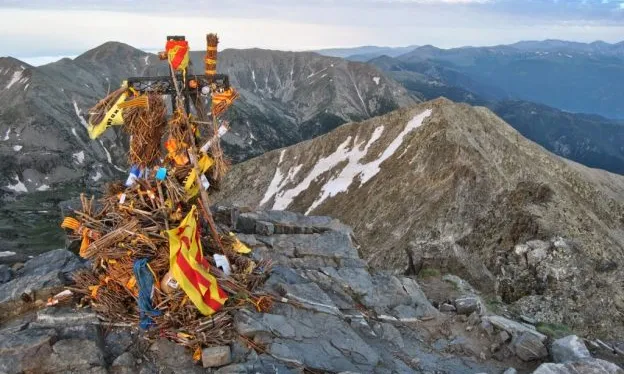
x=449 y=188
x=332 y=313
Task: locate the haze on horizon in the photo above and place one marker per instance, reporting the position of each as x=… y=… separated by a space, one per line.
x=39 y=31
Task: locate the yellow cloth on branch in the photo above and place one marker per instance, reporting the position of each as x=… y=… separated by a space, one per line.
x=190 y=269
x=113 y=117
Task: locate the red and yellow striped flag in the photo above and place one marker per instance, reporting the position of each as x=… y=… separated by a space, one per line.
x=190 y=269
x=178 y=53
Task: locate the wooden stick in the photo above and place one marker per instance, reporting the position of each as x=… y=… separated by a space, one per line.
x=193 y=156
x=162 y=204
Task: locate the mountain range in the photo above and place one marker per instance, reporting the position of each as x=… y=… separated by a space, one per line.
x=548 y=45
x=286 y=97
x=574 y=77
x=454 y=188
x=593 y=140
x=365 y=53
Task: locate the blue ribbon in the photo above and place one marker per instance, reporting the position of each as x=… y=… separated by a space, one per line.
x=145 y=282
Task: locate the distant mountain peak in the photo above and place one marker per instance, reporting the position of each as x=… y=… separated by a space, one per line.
x=110 y=49
x=13 y=63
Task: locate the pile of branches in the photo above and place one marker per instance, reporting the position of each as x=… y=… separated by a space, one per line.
x=134 y=230
x=129 y=224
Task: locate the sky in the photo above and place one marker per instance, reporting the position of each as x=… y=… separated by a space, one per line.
x=39 y=31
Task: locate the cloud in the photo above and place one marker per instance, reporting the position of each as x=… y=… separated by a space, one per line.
x=298 y=25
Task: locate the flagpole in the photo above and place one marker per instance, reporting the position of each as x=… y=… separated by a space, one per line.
x=194 y=161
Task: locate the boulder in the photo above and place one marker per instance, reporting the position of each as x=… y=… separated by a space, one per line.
x=216 y=356
x=512 y=327
x=586 y=366
x=528 y=347
x=75 y=355
x=467 y=305
x=39 y=279
x=569 y=348
x=25 y=351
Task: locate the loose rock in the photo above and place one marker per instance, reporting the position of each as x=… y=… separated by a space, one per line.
x=216 y=356
x=467 y=305
x=447 y=308
x=528 y=347
x=512 y=327
x=569 y=348
x=592 y=365
x=40 y=277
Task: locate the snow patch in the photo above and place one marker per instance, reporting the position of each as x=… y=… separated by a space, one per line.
x=97 y=176
x=78 y=114
x=18 y=186
x=360 y=96
x=14 y=79
x=17 y=148
x=345 y=178
x=74 y=132
x=79 y=157
x=108 y=155
x=110 y=159
x=43 y=187
x=320 y=71
x=6 y=136
x=7 y=254
x=376 y=80
x=253 y=77
x=146 y=59
x=279 y=181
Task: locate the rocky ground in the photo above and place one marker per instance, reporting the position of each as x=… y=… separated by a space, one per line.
x=332 y=314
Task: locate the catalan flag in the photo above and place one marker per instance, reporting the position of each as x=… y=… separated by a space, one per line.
x=190 y=269
x=178 y=53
